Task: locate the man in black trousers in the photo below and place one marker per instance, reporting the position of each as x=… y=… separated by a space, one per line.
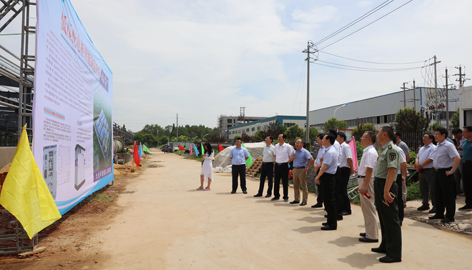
x=326 y=179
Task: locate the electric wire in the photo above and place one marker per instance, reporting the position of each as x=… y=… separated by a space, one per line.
x=367 y=70
x=370 y=62
x=383 y=69
x=372 y=11
x=366 y=25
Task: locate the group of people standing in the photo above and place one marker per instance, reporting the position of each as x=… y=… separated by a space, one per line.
x=381 y=178
x=442 y=165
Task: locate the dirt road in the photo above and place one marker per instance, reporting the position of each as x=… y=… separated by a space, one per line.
x=167 y=224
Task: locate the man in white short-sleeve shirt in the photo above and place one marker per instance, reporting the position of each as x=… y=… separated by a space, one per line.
x=365 y=182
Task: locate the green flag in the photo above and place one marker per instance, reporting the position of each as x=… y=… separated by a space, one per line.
x=203 y=149
x=145 y=149
x=249 y=160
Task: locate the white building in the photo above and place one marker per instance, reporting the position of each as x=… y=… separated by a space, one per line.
x=381 y=110
x=251 y=128
x=465 y=105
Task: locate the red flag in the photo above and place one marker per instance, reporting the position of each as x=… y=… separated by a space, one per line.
x=352 y=144
x=220 y=148
x=181 y=148
x=136 y=154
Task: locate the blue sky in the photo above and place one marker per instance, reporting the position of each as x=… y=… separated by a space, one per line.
x=201 y=59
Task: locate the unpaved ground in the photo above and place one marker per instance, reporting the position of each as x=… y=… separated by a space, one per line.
x=167 y=224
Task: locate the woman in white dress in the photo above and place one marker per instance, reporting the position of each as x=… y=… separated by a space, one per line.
x=207 y=167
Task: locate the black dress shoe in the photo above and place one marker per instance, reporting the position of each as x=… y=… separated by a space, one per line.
x=303 y=204
x=423 y=207
x=244 y=191
x=346 y=213
x=368 y=240
x=324 y=223
x=258 y=195
x=378 y=250
x=338 y=217
x=466 y=207
x=318 y=205
x=294 y=202
x=447 y=220
x=268 y=196
x=362 y=234
x=275 y=199
x=388 y=259
x=328 y=228
x=432 y=211
x=436 y=217
x=232 y=192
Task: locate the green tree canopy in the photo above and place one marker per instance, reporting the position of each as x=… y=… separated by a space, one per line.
x=359 y=130
x=408 y=120
x=313 y=133
x=455 y=119
x=334 y=123
x=294 y=131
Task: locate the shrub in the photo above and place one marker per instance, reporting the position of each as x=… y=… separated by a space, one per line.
x=413 y=191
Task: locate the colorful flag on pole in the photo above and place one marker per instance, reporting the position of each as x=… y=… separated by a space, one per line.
x=203 y=149
x=136 y=154
x=249 y=160
x=220 y=148
x=146 y=150
x=181 y=148
x=140 y=151
x=25 y=194
x=352 y=144
x=196 y=151
x=191 y=151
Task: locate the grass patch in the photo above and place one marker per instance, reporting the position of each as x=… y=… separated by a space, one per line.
x=103 y=197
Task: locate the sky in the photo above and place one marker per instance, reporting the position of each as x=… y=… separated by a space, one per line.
x=202 y=59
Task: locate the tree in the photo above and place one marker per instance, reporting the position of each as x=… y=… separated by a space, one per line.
x=246 y=138
x=259 y=136
x=294 y=131
x=313 y=133
x=408 y=120
x=333 y=123
x=434 y=126
x=359 y=130
x=455 y=119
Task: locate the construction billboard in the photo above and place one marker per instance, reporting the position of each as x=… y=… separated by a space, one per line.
x=73 y=107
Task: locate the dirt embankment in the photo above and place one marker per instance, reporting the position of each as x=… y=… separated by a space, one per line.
x=67 y=240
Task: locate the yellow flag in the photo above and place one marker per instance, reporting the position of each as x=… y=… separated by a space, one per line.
x=25 y=193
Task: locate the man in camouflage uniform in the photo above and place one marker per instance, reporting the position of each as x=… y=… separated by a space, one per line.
x=386 y=189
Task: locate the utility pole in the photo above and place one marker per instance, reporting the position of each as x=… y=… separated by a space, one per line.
x=447 y=104
x=436 y=80
x=414 y=96
x=310 y=49
x=461 y=75
x=177 y=127
x=404 y=94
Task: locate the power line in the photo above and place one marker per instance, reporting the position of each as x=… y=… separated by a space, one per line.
x=370 y=62
x=365 y=68
x=372 y=11
x=366 y=25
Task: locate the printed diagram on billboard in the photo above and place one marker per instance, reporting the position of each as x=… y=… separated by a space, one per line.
x=50 y=168
x=80 y=162
x=103 y=133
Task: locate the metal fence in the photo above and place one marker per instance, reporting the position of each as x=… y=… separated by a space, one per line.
x=414 y=140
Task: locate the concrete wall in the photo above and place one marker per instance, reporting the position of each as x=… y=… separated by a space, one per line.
x=465 y=105
x=6 y=155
